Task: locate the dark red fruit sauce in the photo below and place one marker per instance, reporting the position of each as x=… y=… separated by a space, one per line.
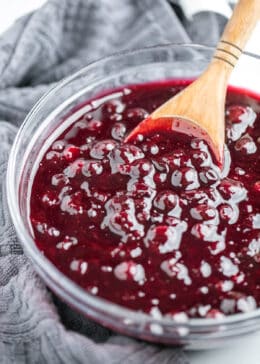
x=154 y=226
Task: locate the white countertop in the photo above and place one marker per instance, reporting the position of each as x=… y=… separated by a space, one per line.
x=13 y=9
x=244 y=351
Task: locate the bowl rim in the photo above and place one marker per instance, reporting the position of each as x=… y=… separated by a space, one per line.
x=43 y=264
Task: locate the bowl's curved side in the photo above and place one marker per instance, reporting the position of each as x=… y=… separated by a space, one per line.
x=47 y=118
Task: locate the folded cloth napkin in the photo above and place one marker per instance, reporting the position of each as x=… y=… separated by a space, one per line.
x=39 y=50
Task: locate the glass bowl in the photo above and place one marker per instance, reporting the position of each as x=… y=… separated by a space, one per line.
x=49 y=117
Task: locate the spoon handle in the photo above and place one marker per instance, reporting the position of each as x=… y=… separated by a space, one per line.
x=237 y=32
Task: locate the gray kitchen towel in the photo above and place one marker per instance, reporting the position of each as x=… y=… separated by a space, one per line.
x=39 y=50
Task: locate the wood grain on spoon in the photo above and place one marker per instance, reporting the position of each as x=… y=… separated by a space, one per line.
x=199 y=109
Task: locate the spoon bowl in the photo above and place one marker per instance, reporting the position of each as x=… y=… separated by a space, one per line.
x=197 y=111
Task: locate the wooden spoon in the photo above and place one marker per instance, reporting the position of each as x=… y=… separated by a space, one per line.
x=199 y=109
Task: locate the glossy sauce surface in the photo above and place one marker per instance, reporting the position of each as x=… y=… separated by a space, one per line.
x=154 y=226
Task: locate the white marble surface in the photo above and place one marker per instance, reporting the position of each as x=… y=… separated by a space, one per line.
x=243 y=351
